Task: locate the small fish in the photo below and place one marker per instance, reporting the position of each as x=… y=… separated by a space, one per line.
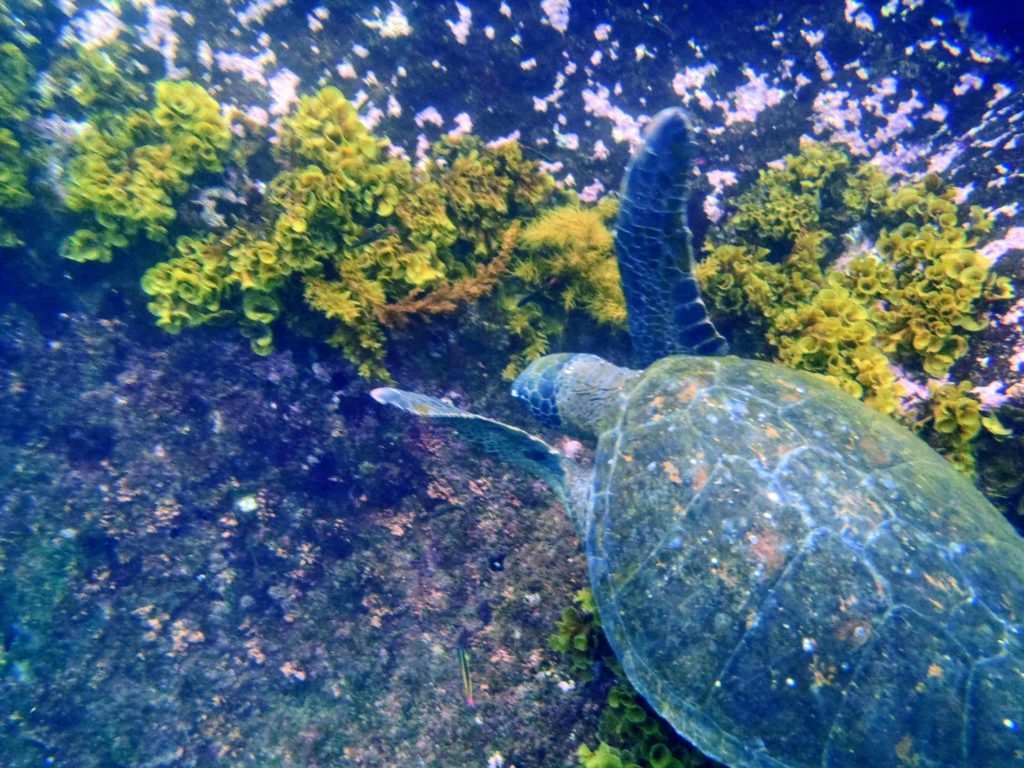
x=467 y=678
x=661 y=26
x=537 y=292
x=534 y=151
x=372 y=235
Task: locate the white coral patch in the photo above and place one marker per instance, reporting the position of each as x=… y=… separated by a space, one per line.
x=751 y=98
x=557 y=14
x=395 y=24
x=283 y=91
x=460 y=29
x=429 y=116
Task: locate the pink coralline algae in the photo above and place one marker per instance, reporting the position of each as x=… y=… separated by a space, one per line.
x=255 y=11
x=689 y=84
x=557 y=13
x=914 y=391
x=502 y=140
x=249 y=67
x=592 y=192
x=463 y=125
x=991 y=395
x=940 y=161
x=283 y=91
x=1014 y=317
x=713 y=208
x=1016 y=361
x=97 y=28
x=570 y=141
x=394 y=25
x=159 y=35
x=624 y=126
x=429 y=116
x=751 y=99
x=840 y=116
x=721 y=179
x=968 y=82
x=836 y=113
x=460 y=29
x=372 y=117
x=896 y=123
x=1013 y=240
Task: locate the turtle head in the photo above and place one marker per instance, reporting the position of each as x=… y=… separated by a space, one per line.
x=537 y=387
x=580 y=393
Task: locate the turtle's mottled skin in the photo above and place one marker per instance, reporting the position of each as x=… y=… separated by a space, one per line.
x=791 y=579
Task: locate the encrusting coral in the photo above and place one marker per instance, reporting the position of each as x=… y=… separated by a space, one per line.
x=835 y=305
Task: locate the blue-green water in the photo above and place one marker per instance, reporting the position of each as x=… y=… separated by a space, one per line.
x=216 y=549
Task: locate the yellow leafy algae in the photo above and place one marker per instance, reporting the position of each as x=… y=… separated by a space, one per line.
x=793 y=264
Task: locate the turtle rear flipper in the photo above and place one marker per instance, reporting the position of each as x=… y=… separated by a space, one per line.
x=508 y=443
x=652 y=243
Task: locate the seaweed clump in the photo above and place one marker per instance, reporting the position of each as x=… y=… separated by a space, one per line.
x=16 y=74
x=577 y=636
x=130 y=168
x=87 y=80
x=349 y=239
x=355 y=234
x=565 y=263
x=794 y=260
x=630 y=734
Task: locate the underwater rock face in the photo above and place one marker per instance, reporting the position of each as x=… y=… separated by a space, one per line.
x=237 y=564
x=209 y=557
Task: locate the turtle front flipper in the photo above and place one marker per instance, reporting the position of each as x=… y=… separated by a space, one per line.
x=652 y=243
x=504 y=441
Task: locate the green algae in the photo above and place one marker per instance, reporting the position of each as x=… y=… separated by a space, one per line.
x=16 y=74
x=831 y=304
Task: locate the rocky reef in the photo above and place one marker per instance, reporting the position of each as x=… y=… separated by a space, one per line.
x=207 y=557
x=221 y=225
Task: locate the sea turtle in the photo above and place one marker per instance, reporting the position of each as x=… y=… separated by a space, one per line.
x=788 y=577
